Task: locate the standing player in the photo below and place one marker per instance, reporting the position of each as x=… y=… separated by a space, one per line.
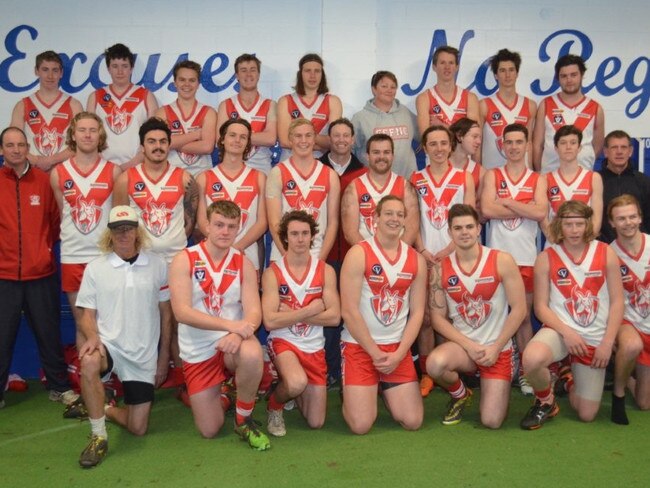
x=83 y=188
x=361 y=197
x=192 y=124
x=45 y=115
x=215 y=298
x=233 y=180
x=123 y=107
x=445 y=102
x=125 y=301
x=249 y=105
x=503 y=108
x=304 y=183
x=474 y=286
x=439 y=186
x=578 y=296
x=633 y=341
x=383 y=297
x=299 y=298
x=571 y=181
x=467 y=134
x=310 y=101
x=569 y=107
x=514 y=199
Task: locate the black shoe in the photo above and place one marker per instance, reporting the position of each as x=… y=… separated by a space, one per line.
x=538 y=414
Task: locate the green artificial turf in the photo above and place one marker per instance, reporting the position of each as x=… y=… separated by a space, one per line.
x=40 y=448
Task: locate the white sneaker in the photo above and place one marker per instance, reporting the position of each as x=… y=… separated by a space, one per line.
x=67 y=397
x=525 y=387
x=275 y=423
x=290 y=405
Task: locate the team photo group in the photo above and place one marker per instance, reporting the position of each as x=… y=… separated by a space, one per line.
x=390 y=252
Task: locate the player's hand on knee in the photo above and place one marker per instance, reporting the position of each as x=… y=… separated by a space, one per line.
x=229 y=344
x=243 y=328
x=575 y=344
x=91 y=345
x=601 y=356
x=476 y=353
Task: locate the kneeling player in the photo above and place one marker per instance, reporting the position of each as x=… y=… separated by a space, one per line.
x=633 y=340
x=299 y=298
x=578 y=296
x=383 y=295
x=216 y=301
x=475 y=285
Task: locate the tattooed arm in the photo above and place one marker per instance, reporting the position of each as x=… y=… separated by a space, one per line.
x=190 y=202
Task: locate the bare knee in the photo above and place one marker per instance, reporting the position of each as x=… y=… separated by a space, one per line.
x=534 y=358
x=630 y=349
x=315 y=423
x=139 y=429
x=643 y=403
x=412 y=422
x=436 y=365
x=491 y=422
x=295 y=385
x=90 y=366
x=587 y=415
x=358 y=424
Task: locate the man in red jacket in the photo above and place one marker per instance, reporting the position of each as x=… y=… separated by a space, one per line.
x=29 y=226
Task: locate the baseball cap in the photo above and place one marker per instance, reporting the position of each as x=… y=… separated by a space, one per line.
x=122 y=215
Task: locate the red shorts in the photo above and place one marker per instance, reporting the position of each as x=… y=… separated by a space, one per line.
x=528 y=277
x=644 y=357
x=204 y=375
x=313 y=363
x=357 y=368
x=501 y=370
x=587 y=359
x=71 y=275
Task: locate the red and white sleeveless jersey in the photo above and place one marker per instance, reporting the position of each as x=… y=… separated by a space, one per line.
x=257 y=115
x=558 y=114
x=159 y=205
x=515 y=236
x=635 y=273
x=216 y=291
x=244 y=190
x=296 y=294
x=305 y=192
x=318 y=112
x=46 y=125
x=476 y=301
x=473 y=168
x=498 y=116
x=435 y=201
x=368 y=195
x=448 y=112
x=559 y=190
x=179 y=124
x=578 y=290
x=384 y=303
x=87 y=201
x=122 y=116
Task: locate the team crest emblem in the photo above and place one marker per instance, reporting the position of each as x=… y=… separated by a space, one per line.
x=139 y=186
x=199 y=274
x=308 y=207
x=176 y=124
x=234 y=115
x=187 y=158
x=284 y=290
x=300 y=329
x=558 y=119
x=213 y=302
x=106 y=97
x=156 y=218
x=33 y=114
x=452 y=280
x=48 y=142
x=624 y=270
x=512 y=224
x=85 y=215
x=474 y=311
x=291 y=184
x=295 y=114
x=503 y=185
x=387 y=305
x=423 y=191
x=118 y=120
x=554 y=190
x=496 y=116
x=582 y=306
x=365 y=197
x=369 y=222
x=640 y=299
x=437 y=215
x=563 y=272
x=68 y=184
x=376 y=269
x=217 y=186
x=436 y=109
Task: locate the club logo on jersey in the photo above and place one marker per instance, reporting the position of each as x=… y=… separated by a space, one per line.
x=582 y=306
x=563 y=272
x=558 y=119
x=85 y=215
x=48 y=142
x=139 y=186
x=503 y=185
x=217 y=186
x=452 y=280
x=213 y=302
x=176 y=124
x=376 y=269
x=436 y=109
x=106 y=97
x=423 y=191
x=554 y=190
x=308 y=207
x=496 y=116
x=283 y=289
x=33 y=114
x=156 y=217
x=474 y=311
x=291 y=184
x=300 y=329
x=387 y=305
x=187 y=158
x=199 y=274
x=234 y=115
x=512 y=224
x=295 y=114
x=640 y=299
x=624 y=270
x=369 y=222
x=365 y=198
x=437 y=215
x=68 y=184
x=118 y=120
